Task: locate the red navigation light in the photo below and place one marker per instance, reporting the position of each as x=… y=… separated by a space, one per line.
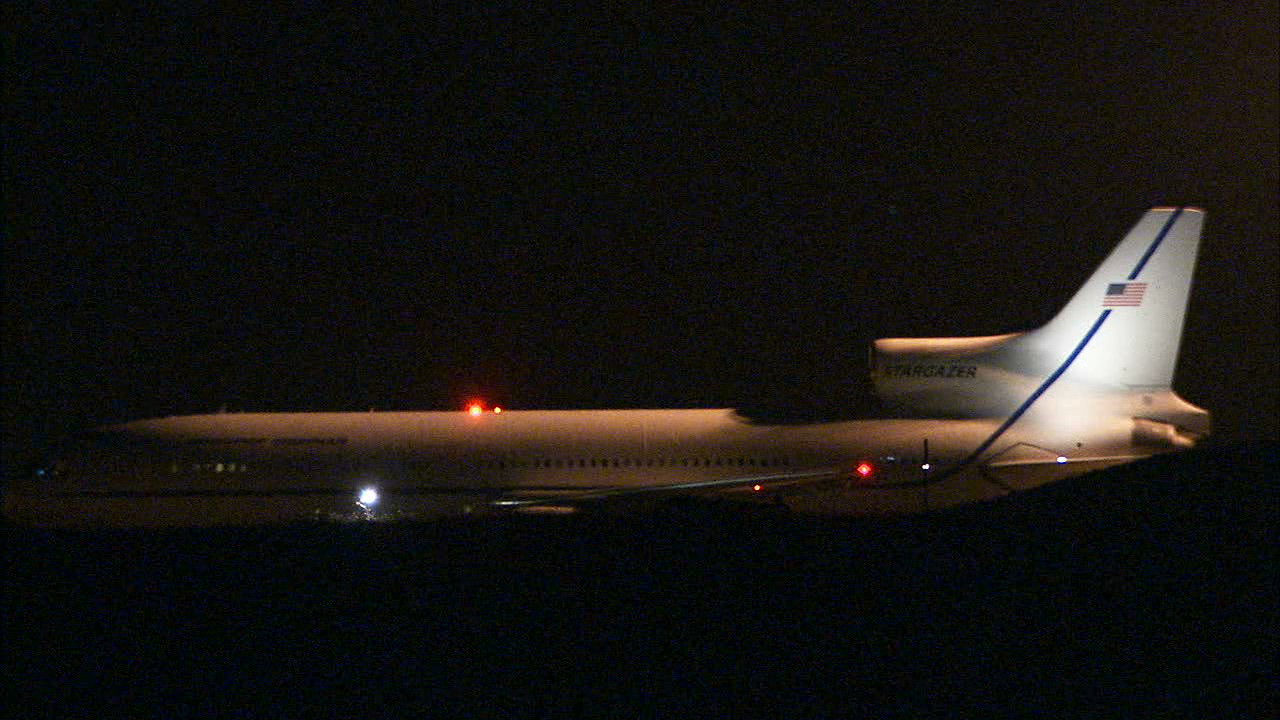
x=864 y=470
x=474 y=409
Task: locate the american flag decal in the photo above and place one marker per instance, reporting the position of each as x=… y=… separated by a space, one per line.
x=1124 y=294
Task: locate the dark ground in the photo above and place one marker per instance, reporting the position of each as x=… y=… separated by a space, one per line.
x=1144 y=592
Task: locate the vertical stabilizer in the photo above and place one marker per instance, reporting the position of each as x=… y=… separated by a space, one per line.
x=1124 y=326
x=1117 y=337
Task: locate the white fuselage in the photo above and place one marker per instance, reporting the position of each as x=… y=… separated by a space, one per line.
x=1091 y=388
x=270 y=467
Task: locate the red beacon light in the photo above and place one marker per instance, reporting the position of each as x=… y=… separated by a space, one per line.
x=864 y=470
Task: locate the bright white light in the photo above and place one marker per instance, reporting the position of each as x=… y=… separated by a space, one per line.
x=925 y=466
x=1062 y=459
x=369 y=496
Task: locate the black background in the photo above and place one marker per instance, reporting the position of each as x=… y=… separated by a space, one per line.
x=287 y=208
x=284 y=208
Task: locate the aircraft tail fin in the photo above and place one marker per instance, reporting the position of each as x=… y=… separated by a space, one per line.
x=1123 y=327
x=1118 y=335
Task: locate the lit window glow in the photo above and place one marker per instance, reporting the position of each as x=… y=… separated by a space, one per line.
x=369 y=496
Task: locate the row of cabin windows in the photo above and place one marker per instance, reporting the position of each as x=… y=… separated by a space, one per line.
x=214 y=467
x=561 y=463
x=273 y=441
x=549 y=463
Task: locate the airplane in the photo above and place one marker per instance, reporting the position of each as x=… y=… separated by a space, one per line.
x=973 y=418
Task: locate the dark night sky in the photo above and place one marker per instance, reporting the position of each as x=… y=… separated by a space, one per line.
x=290 y=209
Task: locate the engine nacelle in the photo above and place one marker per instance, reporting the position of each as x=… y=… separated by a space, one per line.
x=948 y=377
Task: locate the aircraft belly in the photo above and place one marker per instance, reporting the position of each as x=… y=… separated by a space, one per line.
x=1025 y=476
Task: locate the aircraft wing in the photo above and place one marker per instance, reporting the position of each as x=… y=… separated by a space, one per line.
x=762 y=484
